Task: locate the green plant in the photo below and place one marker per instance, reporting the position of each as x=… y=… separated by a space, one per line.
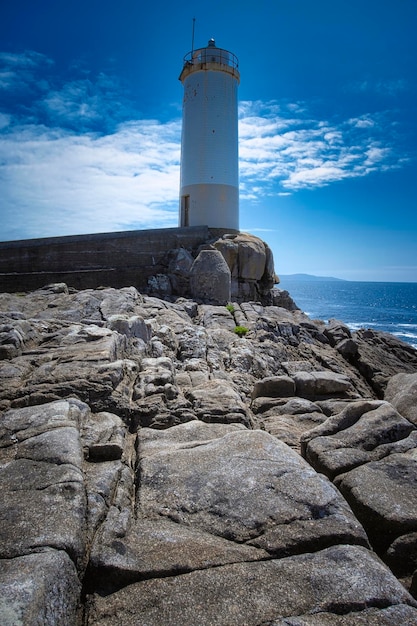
x=230 y=307
x=241 y=330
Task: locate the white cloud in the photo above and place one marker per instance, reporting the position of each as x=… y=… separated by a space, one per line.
x=365 y=121
x=313 y=153
x=20 y=71
x=65 y=183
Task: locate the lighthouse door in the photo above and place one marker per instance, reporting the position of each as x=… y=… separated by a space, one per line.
x=185 y=210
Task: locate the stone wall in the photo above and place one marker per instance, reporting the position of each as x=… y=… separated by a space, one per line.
x=89 y=261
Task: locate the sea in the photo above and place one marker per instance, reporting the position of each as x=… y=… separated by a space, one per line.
x=387 y=307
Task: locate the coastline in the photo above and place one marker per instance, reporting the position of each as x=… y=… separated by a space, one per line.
x=385 y=307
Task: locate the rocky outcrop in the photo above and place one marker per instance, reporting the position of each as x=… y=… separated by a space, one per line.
x=251 y=266
x=247 y=272
x=369 y=451
x=156 y=467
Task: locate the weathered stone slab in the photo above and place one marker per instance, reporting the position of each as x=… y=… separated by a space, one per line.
x=41 y=588
x=241 y=485
x=392 y=616
x=275 y=387
x=101 y=483
x=18 y=425
x=287 y=418
x=152 y=441
x=42 y=497
x=362 y=432
x=336 y=580
x=383 y=495
x=156 y=548
x=41 y=505
x=401 y=391
x=316 y=384
x=83 y=361
x=289 y=428
x=284 y=406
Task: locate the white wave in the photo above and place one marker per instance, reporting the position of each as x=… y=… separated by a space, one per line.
x=408 y=335
x=359 y=325
x=407 y=325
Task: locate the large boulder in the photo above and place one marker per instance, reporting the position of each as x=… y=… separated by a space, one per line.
x=251 y=266
x=321 y=384
x=401 y=391
x=210 y=278
x=381 y=356
x=275 y=387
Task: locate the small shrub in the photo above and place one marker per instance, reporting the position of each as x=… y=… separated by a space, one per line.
x=230 y=308
x=241 y=330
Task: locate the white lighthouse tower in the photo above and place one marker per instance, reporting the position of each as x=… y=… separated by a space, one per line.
x=209 y=188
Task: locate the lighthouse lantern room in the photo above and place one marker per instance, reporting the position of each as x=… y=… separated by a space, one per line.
x=209 y=187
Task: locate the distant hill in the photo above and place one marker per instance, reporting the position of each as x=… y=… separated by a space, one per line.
x=308 y=277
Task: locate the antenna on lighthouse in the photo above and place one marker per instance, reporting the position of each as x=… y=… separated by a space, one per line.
x=192 y=38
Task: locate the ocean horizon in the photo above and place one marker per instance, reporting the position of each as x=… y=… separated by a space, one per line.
x=384 y=306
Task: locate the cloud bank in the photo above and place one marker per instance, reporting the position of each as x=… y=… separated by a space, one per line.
x=75 y=158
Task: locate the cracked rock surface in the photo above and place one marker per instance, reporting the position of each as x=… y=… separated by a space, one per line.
x=156 y=468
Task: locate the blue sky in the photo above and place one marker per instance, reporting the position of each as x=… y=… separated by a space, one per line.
x=90 y=123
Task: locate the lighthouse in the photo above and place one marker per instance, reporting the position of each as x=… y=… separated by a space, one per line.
x=209 y=186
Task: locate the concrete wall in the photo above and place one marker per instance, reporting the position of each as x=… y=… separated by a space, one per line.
x=88 y=261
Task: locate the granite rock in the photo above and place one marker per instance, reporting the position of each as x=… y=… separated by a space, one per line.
x=244 y=486
x=401 y=392
x=145 y=473
x=210 y=278
x=39 y=588
x=339 y=580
